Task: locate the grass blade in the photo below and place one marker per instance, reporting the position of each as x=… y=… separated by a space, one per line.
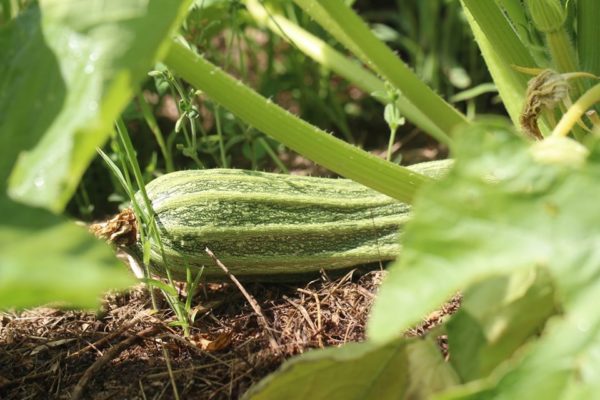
x=153 y=125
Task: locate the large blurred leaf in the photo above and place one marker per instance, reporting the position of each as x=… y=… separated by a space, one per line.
x=45 y=258
x=67 y=70
x=502 y=212
x=496 y=317
x=563 y=364
x=402 y=369
x=64 y=75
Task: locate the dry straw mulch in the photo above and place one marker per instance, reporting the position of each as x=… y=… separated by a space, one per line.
x=119 y=352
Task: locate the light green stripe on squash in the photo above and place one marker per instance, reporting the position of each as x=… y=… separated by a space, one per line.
x=268 y=226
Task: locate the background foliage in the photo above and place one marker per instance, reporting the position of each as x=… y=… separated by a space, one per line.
x=509 y=227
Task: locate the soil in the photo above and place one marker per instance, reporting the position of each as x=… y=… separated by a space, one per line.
x=119 y=352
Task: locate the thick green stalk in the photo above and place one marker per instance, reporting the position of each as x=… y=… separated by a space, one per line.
x=347 y=27
x=314 y=47
x=300 y=136
x=502 y=49
x=516 y=14
x=588 y=33
x=562 y=51
x=319 y=13
x=327 y=56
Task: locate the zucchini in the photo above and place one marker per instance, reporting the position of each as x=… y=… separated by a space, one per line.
x=272 y=226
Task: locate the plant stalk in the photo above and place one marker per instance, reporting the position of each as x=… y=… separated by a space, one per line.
x=346 y=26
x=576 y=111
x=315 y=144
x=327 y=56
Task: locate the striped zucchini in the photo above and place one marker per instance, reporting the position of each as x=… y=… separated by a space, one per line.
x=272 y=226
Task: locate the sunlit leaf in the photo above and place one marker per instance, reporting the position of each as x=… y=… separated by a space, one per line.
x=67 y=70
x=501 y=212
x=45 y=258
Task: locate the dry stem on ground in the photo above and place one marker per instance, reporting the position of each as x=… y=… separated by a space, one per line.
x=45 y=352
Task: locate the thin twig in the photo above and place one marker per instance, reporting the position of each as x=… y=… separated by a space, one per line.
x=108 y=337
x=303 y=312
x=319 y=321
x=143 y=393
x=253 y=303
x=236 y=379
x=109 y=355
x=24 y=379
x=170 y=371
x=181 y=371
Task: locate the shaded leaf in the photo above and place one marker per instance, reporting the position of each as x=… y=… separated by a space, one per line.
x=45 y=258
x=496 y=317
x=401 y=369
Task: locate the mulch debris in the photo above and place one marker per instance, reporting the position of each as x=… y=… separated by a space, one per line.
x=126 y=351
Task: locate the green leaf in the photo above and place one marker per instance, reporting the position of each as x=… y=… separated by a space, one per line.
x=563 y=364
x=45 y=258
x=588 y=31
x=496 y=317
x=443 y=230
x=500 y=212
x=68 y=69
x=362 y=371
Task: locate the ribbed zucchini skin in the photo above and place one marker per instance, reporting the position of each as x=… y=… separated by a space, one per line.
x=263 y=225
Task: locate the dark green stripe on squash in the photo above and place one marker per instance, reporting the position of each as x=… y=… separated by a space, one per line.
x=267 y=226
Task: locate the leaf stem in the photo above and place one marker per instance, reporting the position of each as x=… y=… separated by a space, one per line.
x=576 y=111
x=391 y=144
x=347 y=27
x=298 y=135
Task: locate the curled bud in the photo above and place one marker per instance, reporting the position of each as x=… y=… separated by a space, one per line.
x=547 y=15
